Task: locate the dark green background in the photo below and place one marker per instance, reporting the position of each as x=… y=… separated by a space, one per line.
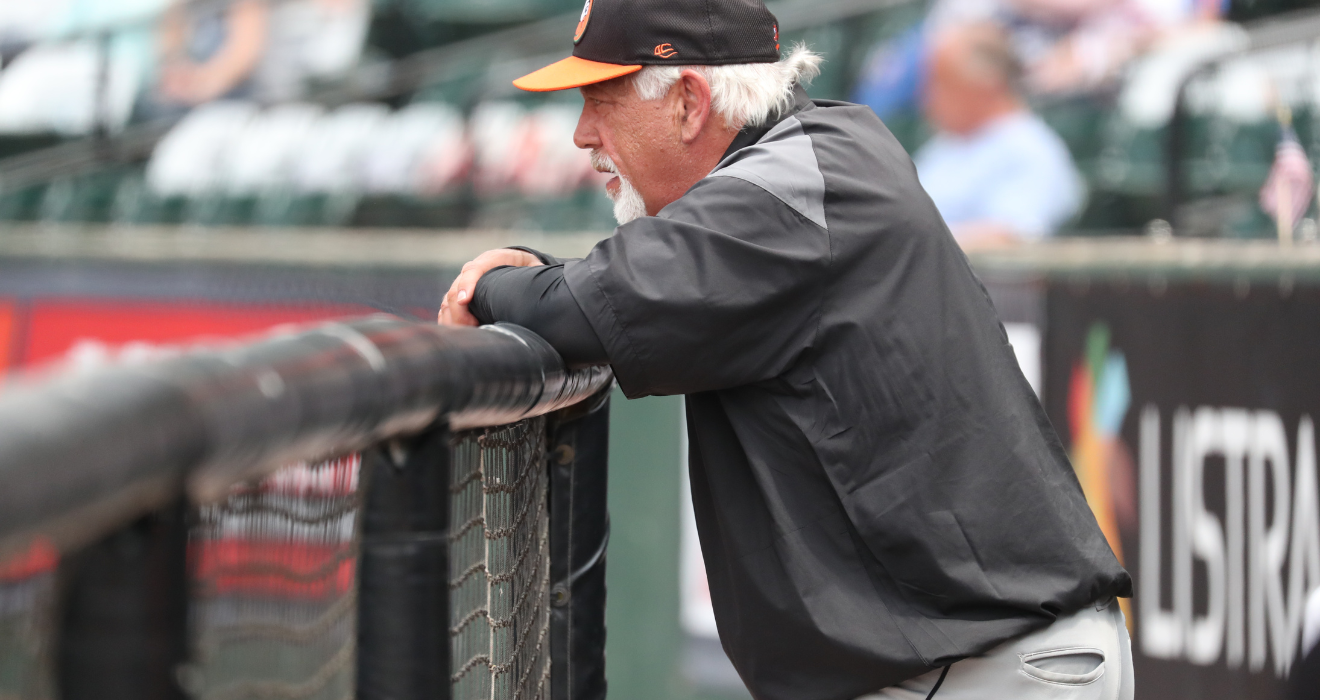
x=645 y=640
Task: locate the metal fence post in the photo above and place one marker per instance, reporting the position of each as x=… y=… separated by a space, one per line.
x=578 y=442
x=403 y=576
x=124 y=618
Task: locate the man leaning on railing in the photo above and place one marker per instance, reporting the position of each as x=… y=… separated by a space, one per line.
x=882 y=504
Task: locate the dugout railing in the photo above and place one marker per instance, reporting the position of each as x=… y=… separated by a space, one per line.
x=372 y=508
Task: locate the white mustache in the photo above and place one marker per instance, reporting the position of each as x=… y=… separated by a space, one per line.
x=602 y=162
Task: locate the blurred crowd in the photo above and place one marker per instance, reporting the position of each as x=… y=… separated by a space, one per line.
x=252 y=145
x=66 y=59
x=426 y=150
x=1024 y=117
x=1063 y=46
x=996 y=171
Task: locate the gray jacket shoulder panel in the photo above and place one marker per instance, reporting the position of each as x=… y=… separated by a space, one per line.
x=784 y=164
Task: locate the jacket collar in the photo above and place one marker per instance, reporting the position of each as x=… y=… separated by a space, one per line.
x=752 y=134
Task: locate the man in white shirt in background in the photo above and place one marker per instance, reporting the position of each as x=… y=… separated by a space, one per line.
x=995 y=171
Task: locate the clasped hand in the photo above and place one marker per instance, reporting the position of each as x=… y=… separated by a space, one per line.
x=454 y=308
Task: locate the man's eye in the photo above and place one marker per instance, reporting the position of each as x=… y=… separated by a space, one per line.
x=595 y=101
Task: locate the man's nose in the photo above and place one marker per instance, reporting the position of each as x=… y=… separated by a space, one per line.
x=585 y=135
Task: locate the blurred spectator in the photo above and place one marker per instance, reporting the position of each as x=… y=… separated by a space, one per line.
x=1076 y=45
x=268 y=50
x=995 y=171
x=210 y=50
x=1066 y=46
x=892 y=77
x=310 y=39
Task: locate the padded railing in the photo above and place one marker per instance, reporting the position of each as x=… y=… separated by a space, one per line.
x=91 y=453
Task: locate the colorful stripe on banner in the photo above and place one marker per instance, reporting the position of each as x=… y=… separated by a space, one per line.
x=272 y=568
x=98 y=329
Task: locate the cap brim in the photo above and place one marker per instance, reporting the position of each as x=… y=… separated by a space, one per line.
x=570 y=73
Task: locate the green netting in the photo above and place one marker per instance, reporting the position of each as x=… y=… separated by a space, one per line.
x=273 y=599
x=273 y=612
x=500 y=564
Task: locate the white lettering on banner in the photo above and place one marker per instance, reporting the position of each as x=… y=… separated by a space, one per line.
x=1249 y=616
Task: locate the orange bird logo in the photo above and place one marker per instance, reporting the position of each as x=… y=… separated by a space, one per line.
x=582 y=22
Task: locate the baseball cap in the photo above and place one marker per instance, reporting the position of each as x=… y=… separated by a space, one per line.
x=618 y=37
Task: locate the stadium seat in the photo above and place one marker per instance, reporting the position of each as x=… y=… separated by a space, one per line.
x=420 y=148
x=331 y=158
x=1125 y=177
x=220 y=209
x=21 y=203
x=56 y=200
x=453 y=210
x=288 y=208
x=264 y=151
x=1250 y=154
x=187 y=162
x=94 y=196
x=276 y=207
x=1079 y=121
x=550 y=166
x=1130 y=158
x=53 y=87
x=497 y=133
x=527 y=172
x=136 y=203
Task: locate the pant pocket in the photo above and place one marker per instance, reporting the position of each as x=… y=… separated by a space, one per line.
x=1069 y=666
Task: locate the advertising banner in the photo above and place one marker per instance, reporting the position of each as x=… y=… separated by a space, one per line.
x=93 y=329
x=1188 y=412
x=6 y=333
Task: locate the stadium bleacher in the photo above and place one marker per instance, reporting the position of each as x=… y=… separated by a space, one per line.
x=436 y=138
x=452 y=148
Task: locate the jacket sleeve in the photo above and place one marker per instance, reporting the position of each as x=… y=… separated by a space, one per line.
x=545 y=258
x=722 y=289
x=537 y=298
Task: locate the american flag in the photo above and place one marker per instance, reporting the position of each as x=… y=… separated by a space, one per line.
x=1287 y=192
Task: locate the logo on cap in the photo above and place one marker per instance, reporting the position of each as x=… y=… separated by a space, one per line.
x=582 y=22
x=665 y=51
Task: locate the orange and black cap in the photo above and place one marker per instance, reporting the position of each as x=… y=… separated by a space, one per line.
x=617 y=37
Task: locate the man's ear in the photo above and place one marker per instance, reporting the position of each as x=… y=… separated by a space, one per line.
x=694 y=104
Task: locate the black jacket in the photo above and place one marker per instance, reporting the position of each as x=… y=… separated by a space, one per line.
x=877 y=489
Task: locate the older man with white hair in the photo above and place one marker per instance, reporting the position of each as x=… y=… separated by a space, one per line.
x=882 y=504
